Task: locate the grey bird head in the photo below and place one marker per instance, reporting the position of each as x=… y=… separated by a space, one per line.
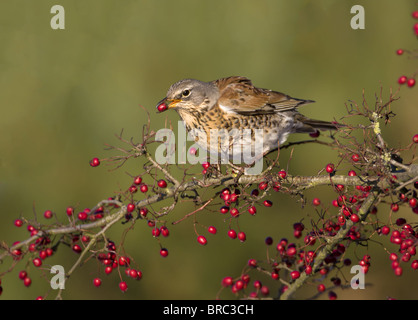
x=191 y=94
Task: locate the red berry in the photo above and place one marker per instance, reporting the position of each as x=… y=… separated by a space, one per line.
x=227 y=281
x=411 y=82
x=291 y=251
x=355 y=157
x=413 y=202
x=415 y=14
x=23 y=274
x=48 y=214
x=192 y=151
x=268 y=241
x=414 y=264
x=232 y=234
x=123 y=286
x=138 y=180
x=234 y=197
x=298 y=226
x=385 y=230
x=252 y=210
x=255 y=193
x=355 y=218
x=162 y=183
x=164 y=231
x=316 y=202
x=242 y=236
x=37 y=262
x=205 y=165
x=252 y=263
x=138 y=274
x=399 y=52
x=164 y=252
x=257 y=284
x=330 y=168
x=43 y=255
x=267 y=203
x=308 y=270
x=124 y=261
x=143 y=188
x=275 y=275
x=264 y=290
x=94 y=162
x=97 y=282
x=352 y=173
x=133 y=274
x=332 y=295
x=76 y=248
x=18 y=223
x=295 y=275
x=393 y=256
x=315 y=134
x=108 y=270
x=69 y=211
x=202 y=240
x=282 y=174
x=415 y=138
x=402 y=79
x=212 y=230
x=398 y=271
x=155 y=232
x=27 y=282
x=162 y=107
x=130 y=207
x=234 y=212
x=224 y=209
x=224 y=192
x=394 y=207
x=263 y=185
x=82 y=216
x=143 y=212
x=321 y=287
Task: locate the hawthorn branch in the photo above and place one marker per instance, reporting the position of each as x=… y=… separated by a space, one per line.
x=302 y=183
x=331 y=243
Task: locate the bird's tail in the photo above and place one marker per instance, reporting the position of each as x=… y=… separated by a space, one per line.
x=307 y=125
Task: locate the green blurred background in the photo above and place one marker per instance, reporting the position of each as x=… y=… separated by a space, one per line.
x=65 y=93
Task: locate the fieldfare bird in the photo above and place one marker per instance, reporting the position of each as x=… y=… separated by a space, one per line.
x=234 y=103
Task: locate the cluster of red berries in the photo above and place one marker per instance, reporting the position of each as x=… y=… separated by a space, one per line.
x=288 y=256
x=243 y=282
x=40 y=250
x=403 y=79
x=406 y=239
x=111 y=261
x=230 y=203
x=415 y=16
x=299 y=259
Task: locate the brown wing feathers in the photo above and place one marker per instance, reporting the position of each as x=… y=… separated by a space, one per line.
x=238 y=95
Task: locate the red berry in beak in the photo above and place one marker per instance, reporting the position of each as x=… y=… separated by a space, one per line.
x=162 y=107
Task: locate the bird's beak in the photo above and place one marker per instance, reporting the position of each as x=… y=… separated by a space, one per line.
x=166 y=103
x=171 y=103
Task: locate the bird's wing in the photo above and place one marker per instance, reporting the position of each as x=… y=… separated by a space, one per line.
x=238 y=95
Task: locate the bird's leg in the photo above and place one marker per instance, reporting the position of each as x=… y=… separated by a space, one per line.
x=218 y=167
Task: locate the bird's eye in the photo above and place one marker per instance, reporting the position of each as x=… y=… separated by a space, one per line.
x=185 y=93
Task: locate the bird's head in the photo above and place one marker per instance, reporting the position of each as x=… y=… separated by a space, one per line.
x=190 y=95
